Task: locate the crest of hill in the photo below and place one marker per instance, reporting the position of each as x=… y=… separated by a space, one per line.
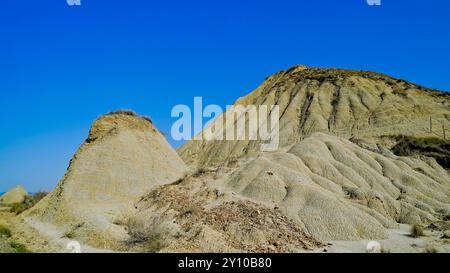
x=321 y=189
x=367 y=107
x=125 y=119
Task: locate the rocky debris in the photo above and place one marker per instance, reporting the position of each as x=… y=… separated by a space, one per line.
x=192 y=216
x=432 y=147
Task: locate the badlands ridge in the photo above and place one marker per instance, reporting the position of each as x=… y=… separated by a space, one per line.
x=361 y=154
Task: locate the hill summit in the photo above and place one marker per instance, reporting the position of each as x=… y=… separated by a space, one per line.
x=367 y=107
x=360 y=154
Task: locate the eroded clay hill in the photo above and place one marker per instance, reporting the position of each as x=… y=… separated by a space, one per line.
x=322 y=189
x=367 y=107
x=337 y=190
x=123 y=158
x=360 y=153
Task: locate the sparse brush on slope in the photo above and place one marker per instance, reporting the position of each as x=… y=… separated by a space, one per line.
x=150 y=234
x=28 y=203
x=130 y=113
x=15 y=195
x=19 y=248
x=431 y=250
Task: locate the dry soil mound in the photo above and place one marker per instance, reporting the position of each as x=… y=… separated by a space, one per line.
x=123 y=158
x=193 y=215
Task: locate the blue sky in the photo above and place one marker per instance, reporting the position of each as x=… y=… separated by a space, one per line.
x=62 y=66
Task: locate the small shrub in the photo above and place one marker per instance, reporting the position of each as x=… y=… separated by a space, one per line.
x=5 y=232
x=144 y=235
x=431 y=250
x=124 y=112
x=385 y=250
x=417 y=231
x=18 y=208
x=191 y=210
x=233 y=163
x=19 y=248
x=69 y=235
x=151 y=233
x=38 y=196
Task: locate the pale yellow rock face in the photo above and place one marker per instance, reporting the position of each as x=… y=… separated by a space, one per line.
x=365 y=106
x=15 y=195
x=124 y=158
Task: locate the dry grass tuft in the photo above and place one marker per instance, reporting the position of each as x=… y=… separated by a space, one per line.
x=151 y=234
x=129 y=113
x=434 y=147
x=417 y=231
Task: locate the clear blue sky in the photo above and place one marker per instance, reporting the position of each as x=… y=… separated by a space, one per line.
x=61 y=66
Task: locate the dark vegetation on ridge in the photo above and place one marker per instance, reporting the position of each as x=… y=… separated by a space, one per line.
x=436 y=148
x=333 y=74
